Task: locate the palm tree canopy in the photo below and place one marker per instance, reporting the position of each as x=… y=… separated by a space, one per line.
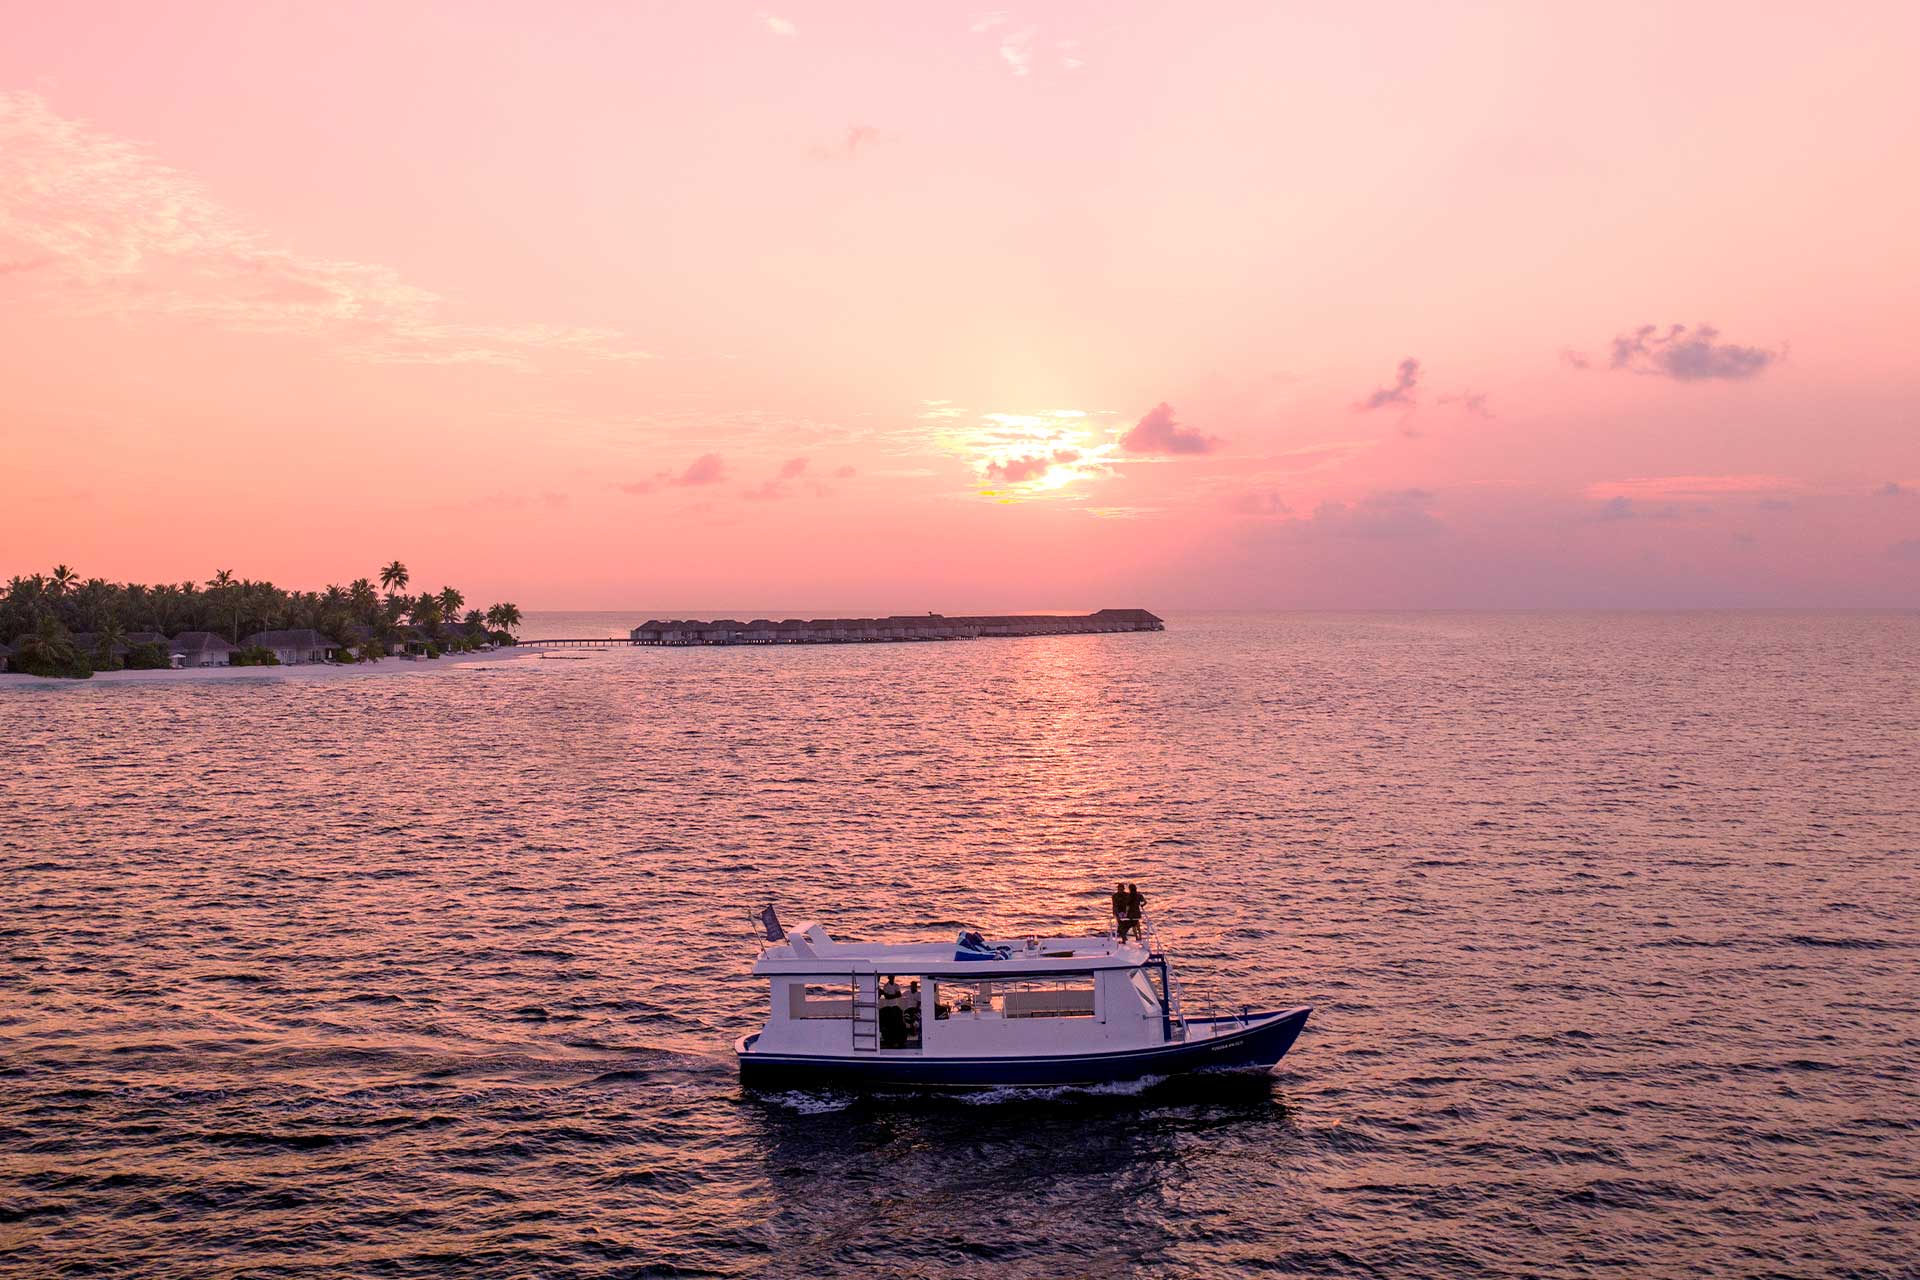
x=230 y=606
x=394 y=577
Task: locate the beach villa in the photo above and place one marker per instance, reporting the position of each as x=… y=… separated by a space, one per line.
x=199 y=649
x=292 y=648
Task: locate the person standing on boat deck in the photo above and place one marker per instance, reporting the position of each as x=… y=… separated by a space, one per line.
x=1120 y=910
x=1136 y=912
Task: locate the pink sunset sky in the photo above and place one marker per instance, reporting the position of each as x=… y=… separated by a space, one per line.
x=913 y=306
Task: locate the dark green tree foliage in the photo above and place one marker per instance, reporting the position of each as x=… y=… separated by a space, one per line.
x=148 y=657
x=355 y=616
x=49 y=651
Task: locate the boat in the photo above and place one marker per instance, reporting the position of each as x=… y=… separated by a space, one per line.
x=980 y=1014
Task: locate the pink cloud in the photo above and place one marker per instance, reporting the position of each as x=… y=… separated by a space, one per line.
x=1159 y=434
x=1030 y=467
x=114 y=230
x=704 y=470
x=1659 y=487
x=1688 y=355
x=1405 y=379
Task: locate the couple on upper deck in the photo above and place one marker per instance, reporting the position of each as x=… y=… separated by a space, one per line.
x=1128 y=907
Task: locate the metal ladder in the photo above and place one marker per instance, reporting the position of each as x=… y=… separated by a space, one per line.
x=866 y=1012
x=1176 y=1015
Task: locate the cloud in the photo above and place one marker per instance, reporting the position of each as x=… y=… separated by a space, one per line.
x=1016 y=50
x=1031 y=467
x=1159 y=434
x=1577 y=359
x=1894 y=489
x=110 y=229
x=1398 y=513
x=1687 y=355
x=857 y=136
x=1406 y=378
x=1473 y=402
x=704 y=470
x=1905 y=549
x=1020 y=48
x=1260 y=502
x=776 y=24
x=844 y=473
x=1616 y=509
x=1651 y=488
x=776 y=488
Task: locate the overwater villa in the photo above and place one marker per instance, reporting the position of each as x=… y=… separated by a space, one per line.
x=931 y=626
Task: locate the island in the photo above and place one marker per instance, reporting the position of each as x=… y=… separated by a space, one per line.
x=60 y=626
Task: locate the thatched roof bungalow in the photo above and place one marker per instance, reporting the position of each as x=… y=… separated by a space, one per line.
x=88 y=642
x=200 y=649
x=294 y=647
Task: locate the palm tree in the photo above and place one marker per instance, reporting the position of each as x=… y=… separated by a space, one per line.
x=62 y=581
x=221 y=578
x=394 y=577
x=426 y=613
x=450 y=602
x=49 y=649
x=365 y=602
x=111 y=636
x=504 y=617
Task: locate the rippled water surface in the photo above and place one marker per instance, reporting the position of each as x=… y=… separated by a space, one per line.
x=1609 y=920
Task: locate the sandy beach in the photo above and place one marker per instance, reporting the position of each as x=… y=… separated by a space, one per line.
x=303 y=672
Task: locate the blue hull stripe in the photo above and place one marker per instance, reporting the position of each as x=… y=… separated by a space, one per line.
x=1261 y=1040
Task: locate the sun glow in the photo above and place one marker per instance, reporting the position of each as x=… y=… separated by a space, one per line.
x=1051 y=453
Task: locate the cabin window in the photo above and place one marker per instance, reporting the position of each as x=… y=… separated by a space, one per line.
x=1064 y=997
x=820 y=1000
x=1045 y=998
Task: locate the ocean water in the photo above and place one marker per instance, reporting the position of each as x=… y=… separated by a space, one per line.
x=1609 y=921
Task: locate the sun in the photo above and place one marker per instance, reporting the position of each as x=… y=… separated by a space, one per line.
x=1048 y=454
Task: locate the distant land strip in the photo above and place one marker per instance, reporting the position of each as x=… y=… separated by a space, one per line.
x=930 y=626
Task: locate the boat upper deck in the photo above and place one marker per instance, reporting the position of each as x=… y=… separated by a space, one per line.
x=808 y=949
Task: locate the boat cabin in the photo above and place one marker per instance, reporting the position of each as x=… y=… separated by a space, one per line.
x=1036 y=995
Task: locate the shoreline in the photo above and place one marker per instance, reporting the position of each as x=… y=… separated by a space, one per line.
x=302 y=671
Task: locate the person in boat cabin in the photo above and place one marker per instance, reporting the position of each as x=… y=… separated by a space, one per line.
x=1120 y=901
x=1136 y=911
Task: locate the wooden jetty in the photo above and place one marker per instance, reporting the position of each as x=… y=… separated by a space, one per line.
x=900 y=627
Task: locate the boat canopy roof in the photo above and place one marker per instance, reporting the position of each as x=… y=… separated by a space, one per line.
x=809 y=950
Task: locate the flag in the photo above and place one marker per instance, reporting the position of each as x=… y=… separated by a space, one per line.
x=771 y=923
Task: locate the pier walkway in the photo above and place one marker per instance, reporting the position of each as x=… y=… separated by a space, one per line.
x=582 y=642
